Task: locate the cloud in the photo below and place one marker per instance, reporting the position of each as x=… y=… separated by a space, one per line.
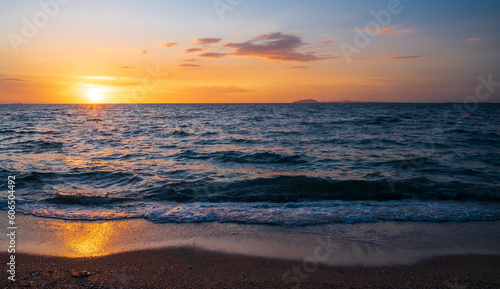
x=325 y=41
x=190 y=65
x=190 y=50
x=92 y=81
x=99 y=77
x=125 y=67
x=393 y=31
x=12 y=79
x=201 y=41
x=275 y=47
x=192 y=59
x=141 y=52
x=296 y=67
x=474 y=39
x=213 y=55
x=167 y=44
x=402 y=57
x=388 y=30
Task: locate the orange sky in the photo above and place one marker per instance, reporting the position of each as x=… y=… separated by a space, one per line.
x=175 y=52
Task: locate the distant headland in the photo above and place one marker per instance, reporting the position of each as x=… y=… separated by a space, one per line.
x=306 y=101
x=315 y=101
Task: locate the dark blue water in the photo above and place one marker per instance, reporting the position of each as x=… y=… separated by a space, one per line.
x=285 y=164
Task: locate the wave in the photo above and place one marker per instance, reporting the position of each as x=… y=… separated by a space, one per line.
x=77 y=176
x=180 y=133
x=240 y=163
x=259 y=158
x=282 y=214
x=300 y=188
x=242 y=157
x=38 y=146
x=187 y=187
x=81 y=199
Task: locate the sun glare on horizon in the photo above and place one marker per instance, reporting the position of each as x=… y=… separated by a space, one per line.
x=94 y=95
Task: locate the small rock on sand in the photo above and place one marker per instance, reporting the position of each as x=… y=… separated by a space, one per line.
x=80 y=274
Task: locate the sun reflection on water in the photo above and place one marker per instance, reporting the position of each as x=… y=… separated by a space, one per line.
x=88 y=239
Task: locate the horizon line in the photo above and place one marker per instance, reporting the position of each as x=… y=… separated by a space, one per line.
x=325 y=102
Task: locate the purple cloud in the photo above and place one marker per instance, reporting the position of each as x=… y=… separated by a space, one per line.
x=275 y=47
x=190 y=65
x=190 y=50
x=401 y=57
x=296 y=67
x=167 y=44
x=326 y=41
x=12 y=79
x=213 y=55
x=201 y=41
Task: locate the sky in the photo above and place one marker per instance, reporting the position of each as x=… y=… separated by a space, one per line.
x=249 y=51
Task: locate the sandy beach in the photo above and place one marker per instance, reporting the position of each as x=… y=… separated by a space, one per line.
x=193 y=268
x=135 y=253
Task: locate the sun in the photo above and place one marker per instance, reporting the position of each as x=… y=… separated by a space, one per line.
x=94 y=95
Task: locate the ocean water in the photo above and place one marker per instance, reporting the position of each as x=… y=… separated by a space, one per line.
x=279 y=164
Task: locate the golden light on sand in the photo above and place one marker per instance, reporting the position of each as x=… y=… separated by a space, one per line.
x=87 y=239
x=94 y=95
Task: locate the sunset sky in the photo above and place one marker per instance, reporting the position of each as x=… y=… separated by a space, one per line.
x=208 y=51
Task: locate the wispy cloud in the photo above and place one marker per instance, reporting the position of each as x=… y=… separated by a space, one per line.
x=474 y=39
x=192 y=59
x=326 y=41
x=275 y=47
x=141 y=52
x=213 y=55
x=191 y=50
x=167 y=44
x=402 y=57
x=11 y=79
x=388 y=30
x=190 y=65
x=125 y=67
x=201 y=41
x=99 y=77
x=296 y=67
x=220 y=90
x=137 y=51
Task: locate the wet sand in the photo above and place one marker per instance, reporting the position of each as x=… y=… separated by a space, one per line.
x=135 y=253
x=188 y=267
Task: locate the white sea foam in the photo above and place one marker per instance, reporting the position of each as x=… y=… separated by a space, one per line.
x=284 y=214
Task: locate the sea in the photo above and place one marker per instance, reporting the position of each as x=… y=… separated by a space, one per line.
x=288 y=165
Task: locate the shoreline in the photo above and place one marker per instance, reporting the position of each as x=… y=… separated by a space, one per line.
x=136 y=253
x=372 y=244
x=189 y=267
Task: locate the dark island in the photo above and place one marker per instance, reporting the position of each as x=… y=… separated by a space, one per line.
x=306 y=101
x=315 y=101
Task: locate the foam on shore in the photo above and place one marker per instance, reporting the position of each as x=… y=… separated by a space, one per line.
x=379 y=243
